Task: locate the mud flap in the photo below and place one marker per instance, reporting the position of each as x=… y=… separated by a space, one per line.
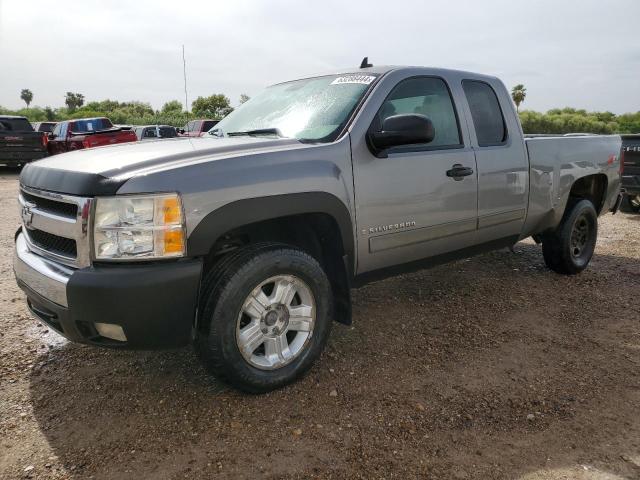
x=616 y=205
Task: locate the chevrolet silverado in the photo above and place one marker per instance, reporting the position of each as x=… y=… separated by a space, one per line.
x=246 y=243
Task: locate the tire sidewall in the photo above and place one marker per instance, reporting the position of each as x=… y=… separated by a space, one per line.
x=222 y=334
x=586 y=208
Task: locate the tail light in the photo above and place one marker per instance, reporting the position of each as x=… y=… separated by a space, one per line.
x=45 y=139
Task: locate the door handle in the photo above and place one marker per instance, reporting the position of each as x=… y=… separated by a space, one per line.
x=457 y=172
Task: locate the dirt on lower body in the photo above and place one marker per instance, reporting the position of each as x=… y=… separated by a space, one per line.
x=492 y=367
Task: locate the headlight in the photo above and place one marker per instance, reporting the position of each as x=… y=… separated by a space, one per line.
x=139 y=227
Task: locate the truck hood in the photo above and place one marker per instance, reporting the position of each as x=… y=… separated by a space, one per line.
x=101 y=171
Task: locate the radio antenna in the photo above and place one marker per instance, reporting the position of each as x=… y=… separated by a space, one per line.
x=184 y=72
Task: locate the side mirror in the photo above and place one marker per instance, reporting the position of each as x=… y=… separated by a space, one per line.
x=51 y=136
x=404 y=129
x=180 y=131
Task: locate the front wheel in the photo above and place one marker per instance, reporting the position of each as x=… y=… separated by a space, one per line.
x=569 y=248
x=265 y=317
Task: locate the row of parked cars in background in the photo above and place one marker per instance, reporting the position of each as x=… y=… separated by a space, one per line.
x=22 y=142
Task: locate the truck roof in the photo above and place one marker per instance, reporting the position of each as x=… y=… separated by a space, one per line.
x=86 y=118
x=383 y=69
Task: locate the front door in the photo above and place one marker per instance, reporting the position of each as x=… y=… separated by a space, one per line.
x=57 y=143
x=421 y=200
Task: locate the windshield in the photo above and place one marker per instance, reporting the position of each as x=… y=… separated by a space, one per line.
x=90 y=125
x=16 y=124
x=313 y=109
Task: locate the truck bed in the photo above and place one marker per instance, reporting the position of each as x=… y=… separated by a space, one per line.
x=556 y=162
x=100 y=138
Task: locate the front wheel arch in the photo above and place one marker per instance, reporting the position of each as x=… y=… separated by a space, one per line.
x=248 y=211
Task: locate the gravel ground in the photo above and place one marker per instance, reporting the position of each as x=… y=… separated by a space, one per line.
x=492 y=367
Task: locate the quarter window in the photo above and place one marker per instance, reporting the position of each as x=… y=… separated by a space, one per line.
x=486 y=113
x=429 y=97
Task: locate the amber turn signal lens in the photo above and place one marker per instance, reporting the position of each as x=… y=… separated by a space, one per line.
x=171 y=212
x=173 y=241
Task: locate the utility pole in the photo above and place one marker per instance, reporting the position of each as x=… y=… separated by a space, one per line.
x=184 y=71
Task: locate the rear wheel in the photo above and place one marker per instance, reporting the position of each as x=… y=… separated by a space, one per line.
x=570 y=247
x=264 y=317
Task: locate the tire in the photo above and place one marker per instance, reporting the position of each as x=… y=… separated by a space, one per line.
x=264 y=316
x=630 y=204
x=570 y=247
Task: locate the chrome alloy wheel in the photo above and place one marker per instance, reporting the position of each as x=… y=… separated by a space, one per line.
x=276 y=322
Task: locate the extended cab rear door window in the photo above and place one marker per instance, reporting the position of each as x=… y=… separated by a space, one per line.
x=428 y=96
x=486 y=113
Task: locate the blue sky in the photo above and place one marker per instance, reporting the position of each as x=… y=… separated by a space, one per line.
x=581 y=53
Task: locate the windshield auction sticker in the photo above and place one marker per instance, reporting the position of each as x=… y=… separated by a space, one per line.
x=361 y=79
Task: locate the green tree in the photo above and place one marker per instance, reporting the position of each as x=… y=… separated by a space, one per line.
x=518 y=93
x=243 y=98
x=171 y=107
x=26 y=95
x=215 y=106
x=49 y=113
x=73 y=101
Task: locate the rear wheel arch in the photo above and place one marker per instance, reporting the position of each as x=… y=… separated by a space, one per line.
x=592 y=188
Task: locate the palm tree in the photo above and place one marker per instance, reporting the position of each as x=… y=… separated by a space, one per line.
x=26 y=96
x=518 y=93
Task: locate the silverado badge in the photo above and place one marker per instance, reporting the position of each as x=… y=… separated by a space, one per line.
x=389 y=228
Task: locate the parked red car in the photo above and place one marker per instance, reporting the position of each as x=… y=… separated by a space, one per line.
x=87 y=133
x=196 y=128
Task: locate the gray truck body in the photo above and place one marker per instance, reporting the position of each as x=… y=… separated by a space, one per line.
x=392 y=213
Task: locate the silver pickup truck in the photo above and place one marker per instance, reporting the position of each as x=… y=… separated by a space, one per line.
x=246 y=243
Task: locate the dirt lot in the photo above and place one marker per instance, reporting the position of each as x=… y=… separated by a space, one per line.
x=492 y=367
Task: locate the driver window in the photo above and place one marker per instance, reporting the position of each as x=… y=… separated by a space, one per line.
x=429 y=97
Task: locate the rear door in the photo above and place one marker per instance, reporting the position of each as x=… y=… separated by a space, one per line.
x=503 y=166
x=407 y=205
x=57 y=143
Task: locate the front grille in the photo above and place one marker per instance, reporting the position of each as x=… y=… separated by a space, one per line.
x=56 y=225
x=69 y=210
x=53 y=243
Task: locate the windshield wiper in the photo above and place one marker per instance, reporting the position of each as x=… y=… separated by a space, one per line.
x=257 y=132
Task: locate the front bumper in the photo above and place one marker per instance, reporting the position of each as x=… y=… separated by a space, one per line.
x=154 y=304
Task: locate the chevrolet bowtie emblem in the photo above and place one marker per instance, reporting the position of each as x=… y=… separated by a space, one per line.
x=27 y=214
